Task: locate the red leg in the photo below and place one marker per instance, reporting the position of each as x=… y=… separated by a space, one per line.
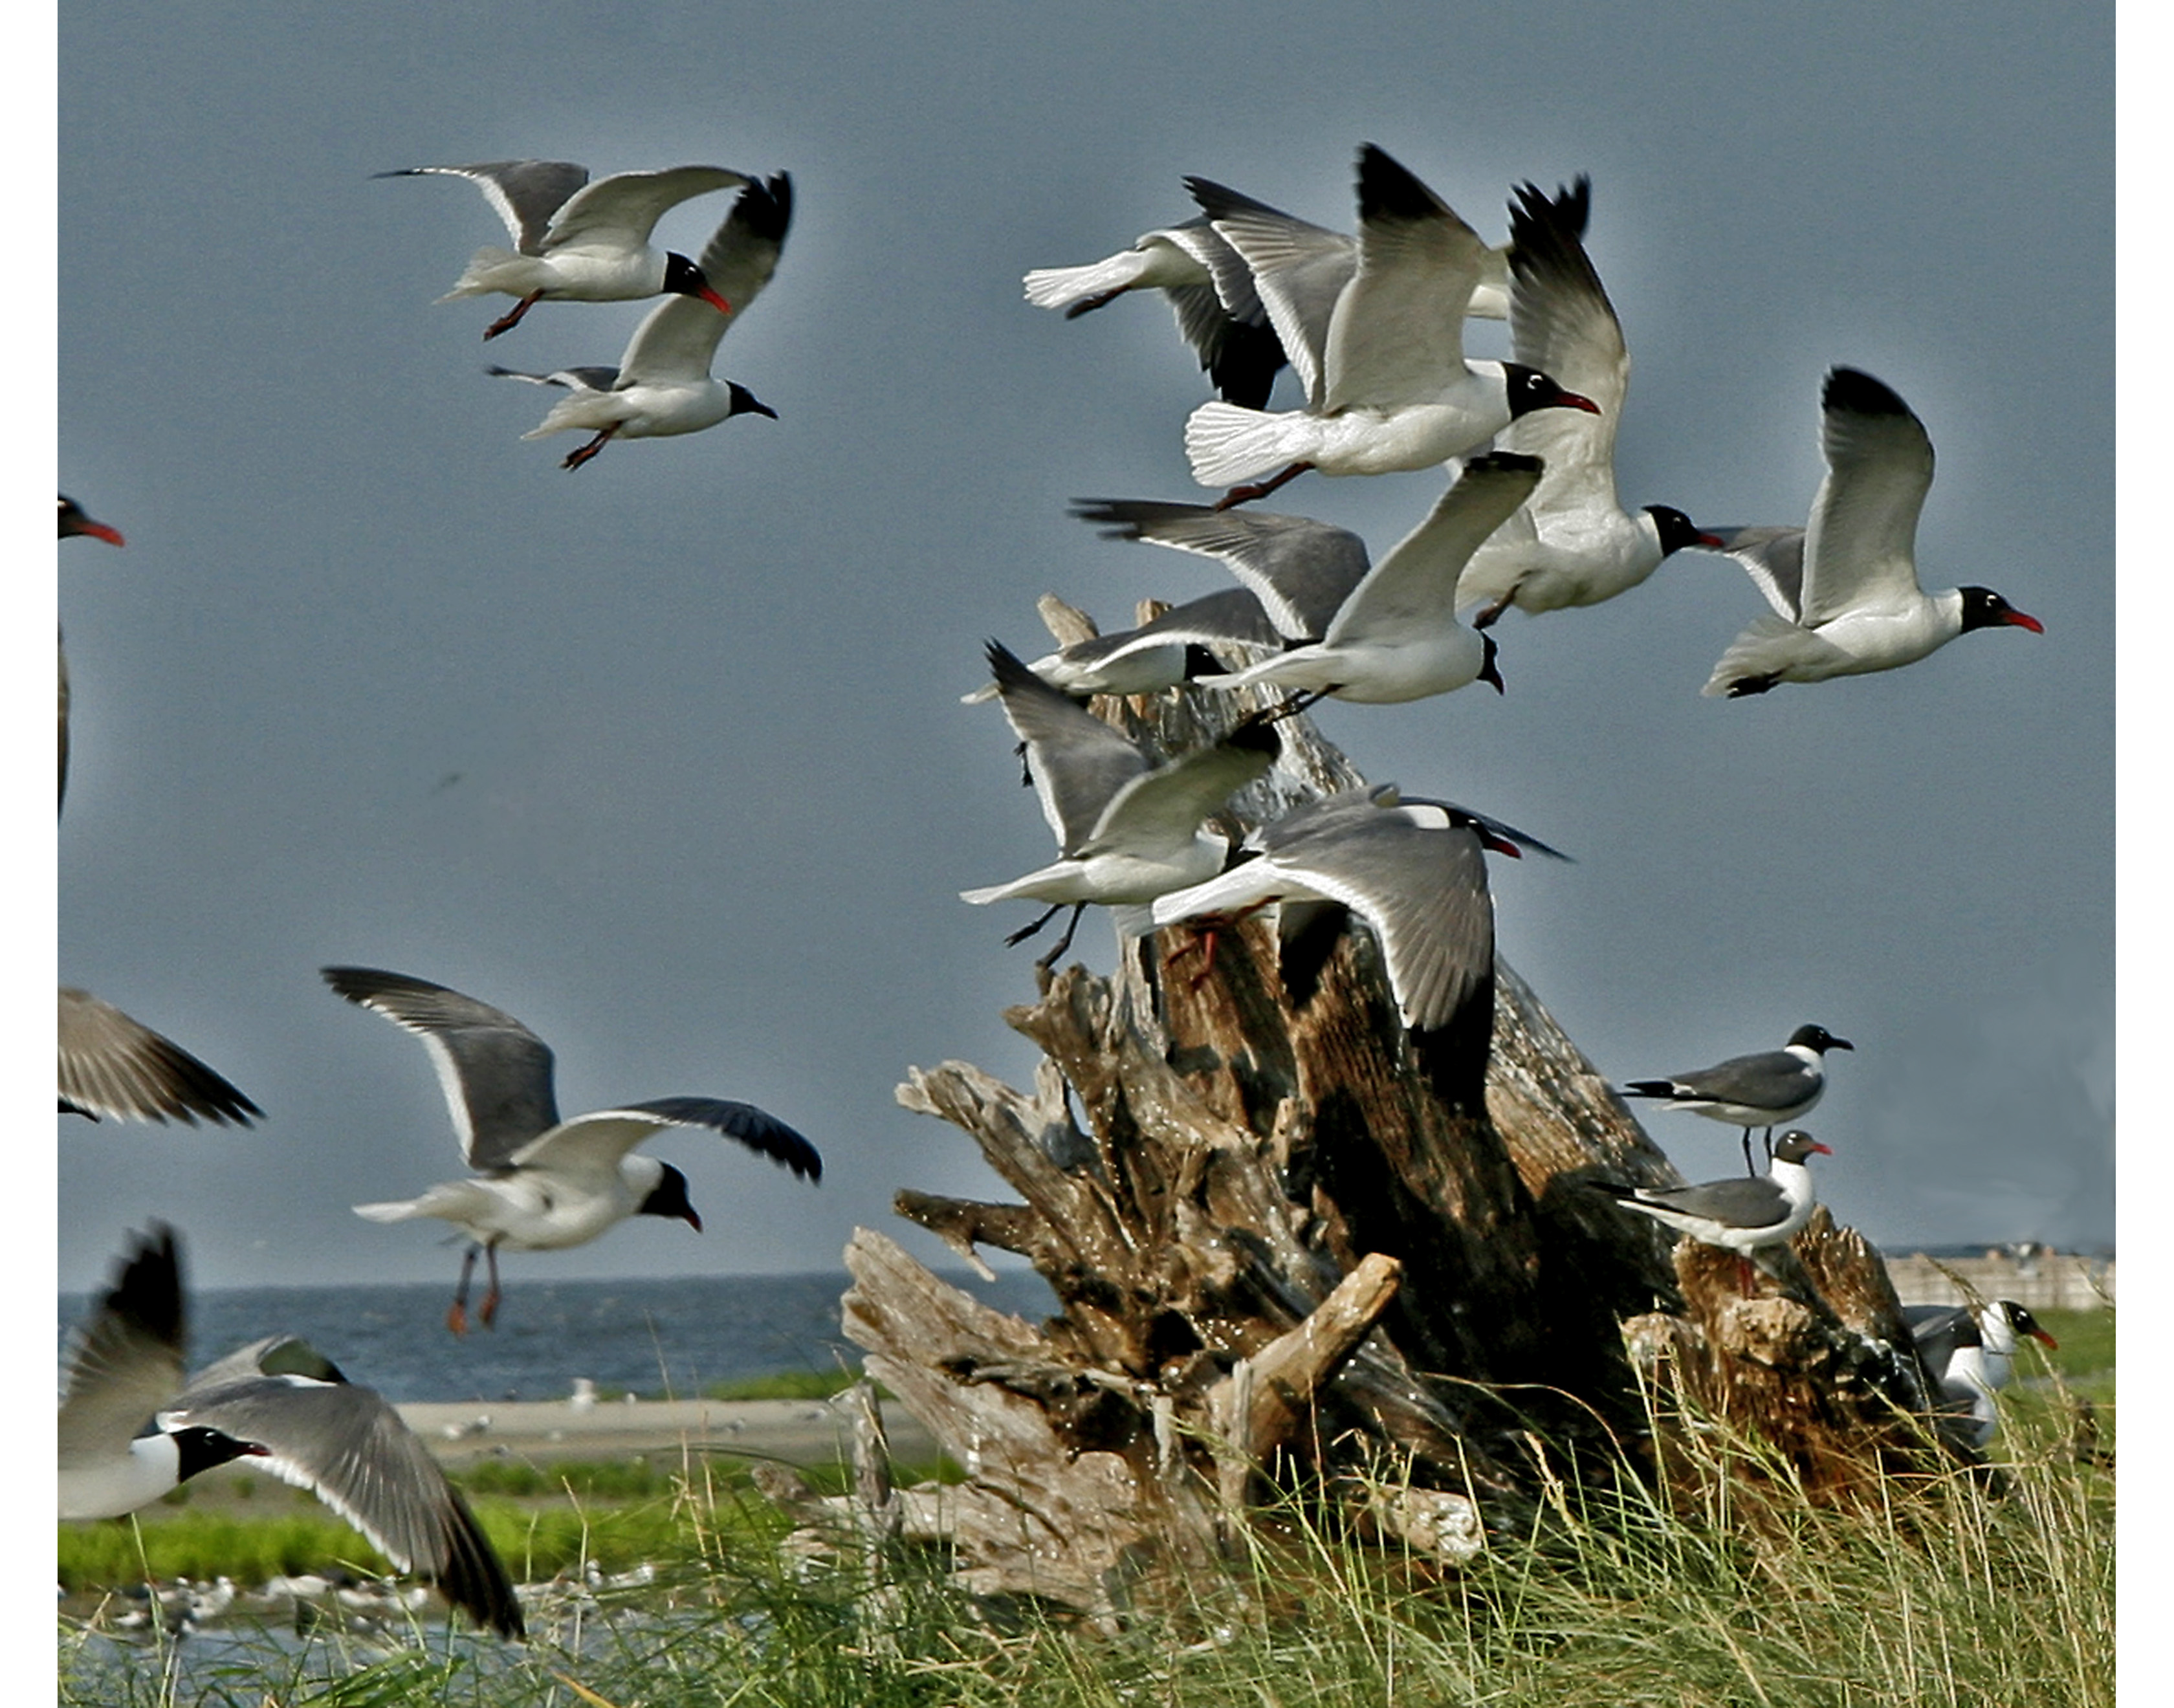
x=1260 y=488
x=589 y=449
x=507 y=322
x=489 y=1312
x=457 y=1318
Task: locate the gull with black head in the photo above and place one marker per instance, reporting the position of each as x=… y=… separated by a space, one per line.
x=541 y=1184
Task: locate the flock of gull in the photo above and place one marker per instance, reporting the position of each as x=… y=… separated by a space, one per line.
x=1371 y=326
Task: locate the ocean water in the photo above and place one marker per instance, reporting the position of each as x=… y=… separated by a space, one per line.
x=674 y=1335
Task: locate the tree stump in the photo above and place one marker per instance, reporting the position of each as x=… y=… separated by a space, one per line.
x=1287 y=1243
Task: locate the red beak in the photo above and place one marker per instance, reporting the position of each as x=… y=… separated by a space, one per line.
x=1577 y=400
x=99 y=531
x=717 y=302
x=2041 y=1334
x=1500 y=844
x=2016 y=619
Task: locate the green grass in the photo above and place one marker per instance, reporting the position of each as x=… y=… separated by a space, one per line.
x=1724 y=1587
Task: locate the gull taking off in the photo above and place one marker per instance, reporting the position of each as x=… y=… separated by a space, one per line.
x=541 y=1184
x=1128 y=829
x=277 y=1403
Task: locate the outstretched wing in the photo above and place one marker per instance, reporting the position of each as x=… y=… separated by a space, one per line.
x=677 y=339
x=495 y=1073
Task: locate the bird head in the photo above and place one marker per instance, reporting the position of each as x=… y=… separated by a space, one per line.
x=668 y=1198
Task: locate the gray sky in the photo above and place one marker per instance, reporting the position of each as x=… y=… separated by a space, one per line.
x=665 y=756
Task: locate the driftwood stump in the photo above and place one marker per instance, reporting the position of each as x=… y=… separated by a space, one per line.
x=1287 y=1243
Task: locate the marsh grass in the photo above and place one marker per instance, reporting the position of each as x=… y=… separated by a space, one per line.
x=1721 y=1584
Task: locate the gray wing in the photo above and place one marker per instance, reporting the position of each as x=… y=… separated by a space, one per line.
x=1741 y=1203
x=1233 y=617
x=1296 y=270
x=1770 y=1079
x=1562 y=323
x=1300 y=570
x=1774 y=559
x=129 y=1358
x=524 y=193
x=1396 y=335
x=113 y=1066
x=677 y=339
x=588 y=379
x=1860 y=548
x=622 y=210
x=495 y=1073
x=1415 y=584
x=1939 y=1331
x=350 y=1448
x=1078 y=762
x=1163 y=808
x=1422 y=889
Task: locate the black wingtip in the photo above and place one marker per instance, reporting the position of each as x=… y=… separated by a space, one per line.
x=1856 y=393
x=146 y=1290
x=1387 y=191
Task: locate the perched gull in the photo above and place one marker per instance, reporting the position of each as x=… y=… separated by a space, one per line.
x=1394 y=390
x=1571 y=542
x=541 y=1183
x=1763 y=1089
x=661 y=385
x=1296 y=573
x=1970 y=1353
x=1396 y=637
x=277 y=1402
x=1747 y=1217
x=1128 y=829
x=1845 y=590
x=577 y=241
x=1412 y=867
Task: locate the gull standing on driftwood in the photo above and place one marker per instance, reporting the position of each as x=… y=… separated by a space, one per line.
x=1747 y=1217
x=1762 y=1090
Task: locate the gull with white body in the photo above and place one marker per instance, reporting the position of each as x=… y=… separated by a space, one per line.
x=579 y=241
x=1845 y=590
x=1128 y=829
x=1412 y=868
x=541 y=1184
x=1571 y=542
x=1395 y=636
x=1296 y=573
x=1749 y=1216
x=1970 y=1353
x=276 y=1403
x=662 y=386
x=1387 y=385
